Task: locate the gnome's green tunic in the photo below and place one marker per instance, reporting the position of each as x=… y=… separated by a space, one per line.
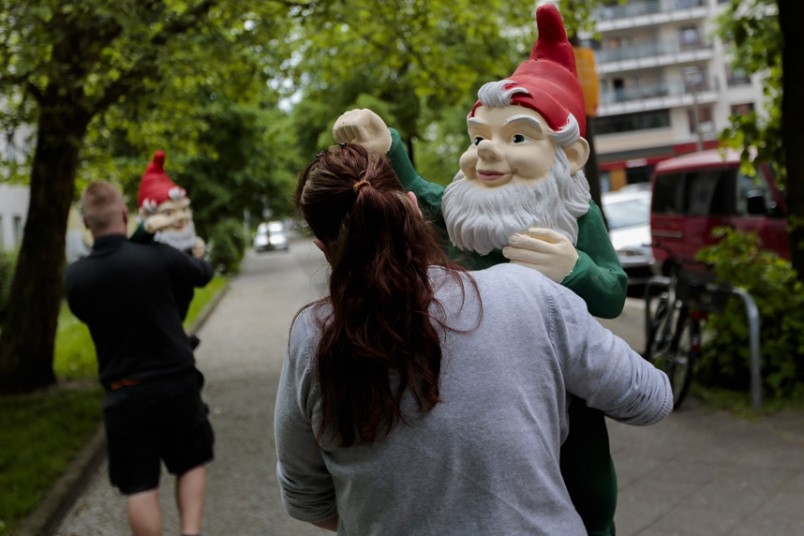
x=598 y=278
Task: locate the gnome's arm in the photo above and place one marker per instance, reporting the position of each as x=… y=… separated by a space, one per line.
x=428 y=193
x=597 y=277
x=364 y=127
x=141 y=236
x=149 y=226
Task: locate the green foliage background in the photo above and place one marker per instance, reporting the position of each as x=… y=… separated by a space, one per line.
x=739 y=260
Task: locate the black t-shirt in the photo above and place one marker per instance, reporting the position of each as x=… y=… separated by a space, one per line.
x=133 y=298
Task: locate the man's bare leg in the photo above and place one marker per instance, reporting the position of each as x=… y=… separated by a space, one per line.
x=190 y=491
x=144 y=516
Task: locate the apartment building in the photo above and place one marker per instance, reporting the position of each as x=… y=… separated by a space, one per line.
x=666 y=87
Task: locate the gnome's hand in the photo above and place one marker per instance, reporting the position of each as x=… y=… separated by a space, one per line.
x=157 y=222
x=545 y=250
x=363 y=127
x=199 y=248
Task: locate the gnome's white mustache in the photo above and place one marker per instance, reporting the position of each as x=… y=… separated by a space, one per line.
x=182 y=239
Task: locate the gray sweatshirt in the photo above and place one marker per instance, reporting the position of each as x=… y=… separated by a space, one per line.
x=485 y=461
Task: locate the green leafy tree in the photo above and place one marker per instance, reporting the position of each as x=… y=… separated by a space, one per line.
x=419 y=57
x=68 y=63
x=763 y=34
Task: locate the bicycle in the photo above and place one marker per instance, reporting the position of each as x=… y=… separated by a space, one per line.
x=674 y=331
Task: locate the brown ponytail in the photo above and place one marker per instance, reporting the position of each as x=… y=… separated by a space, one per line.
x=380 y=250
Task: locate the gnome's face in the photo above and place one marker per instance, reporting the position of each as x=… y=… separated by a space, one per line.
x=178 y=211
x=180 y=232
x=508 y=144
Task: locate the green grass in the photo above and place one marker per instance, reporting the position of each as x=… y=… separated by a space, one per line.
x=739 y=402
x=41 y=433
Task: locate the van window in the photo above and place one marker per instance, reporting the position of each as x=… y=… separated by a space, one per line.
x=748 y=186
x=668 y=191
x=709 y=192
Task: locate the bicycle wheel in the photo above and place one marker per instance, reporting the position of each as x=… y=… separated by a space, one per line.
x=657 y=334
x=677 y=359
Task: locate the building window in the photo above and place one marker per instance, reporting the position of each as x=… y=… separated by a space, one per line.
x=632 y=122
x=742 y=109
x=706 y=119
x=737 y=77
x=16 y=230
x=689 y=37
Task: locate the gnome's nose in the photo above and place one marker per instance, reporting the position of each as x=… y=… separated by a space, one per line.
x=488 y=151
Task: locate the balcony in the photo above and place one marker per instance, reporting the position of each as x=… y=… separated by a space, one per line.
x=653 y=97
x=648 y=13
x=651 y=54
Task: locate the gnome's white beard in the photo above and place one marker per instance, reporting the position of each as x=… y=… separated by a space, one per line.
x=482 y=219
x=182 y=239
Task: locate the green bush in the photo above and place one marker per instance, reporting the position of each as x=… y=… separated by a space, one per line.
x=738 y=260
x=227 y=246
x=8 y=260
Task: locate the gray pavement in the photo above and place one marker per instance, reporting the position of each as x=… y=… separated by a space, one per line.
x=700 y=472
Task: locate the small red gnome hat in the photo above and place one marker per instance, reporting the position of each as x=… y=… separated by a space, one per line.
x=549 y=74
x=156 y=187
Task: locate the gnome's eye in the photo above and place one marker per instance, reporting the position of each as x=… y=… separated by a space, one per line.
x=477 y=139
x=518 y=138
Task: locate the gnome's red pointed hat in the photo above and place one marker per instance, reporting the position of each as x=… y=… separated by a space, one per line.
x=549 y=74
x=156 y=187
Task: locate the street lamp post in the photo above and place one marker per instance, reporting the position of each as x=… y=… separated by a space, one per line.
x=692 y=76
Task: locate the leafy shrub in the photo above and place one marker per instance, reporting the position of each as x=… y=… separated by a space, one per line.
x=739 y=260
x=227 y=246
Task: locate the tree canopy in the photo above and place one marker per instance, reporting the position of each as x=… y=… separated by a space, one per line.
x=99 y=74
x=103 y=83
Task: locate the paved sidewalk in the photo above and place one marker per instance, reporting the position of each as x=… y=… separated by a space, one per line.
x=700 y=472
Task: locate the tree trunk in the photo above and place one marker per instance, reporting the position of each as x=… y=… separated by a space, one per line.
x=792 y=133
x=29 y=332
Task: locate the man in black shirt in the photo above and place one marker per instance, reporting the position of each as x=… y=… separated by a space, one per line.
x=130 y=297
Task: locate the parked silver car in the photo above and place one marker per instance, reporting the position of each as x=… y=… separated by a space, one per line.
x=627 y=212
x=271 y=236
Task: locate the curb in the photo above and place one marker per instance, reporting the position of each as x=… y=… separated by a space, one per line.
x=46 y=517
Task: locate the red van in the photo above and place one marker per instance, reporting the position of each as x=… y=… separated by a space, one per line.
x=692 y=194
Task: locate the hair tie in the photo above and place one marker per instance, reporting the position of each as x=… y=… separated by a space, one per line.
x=358 y=185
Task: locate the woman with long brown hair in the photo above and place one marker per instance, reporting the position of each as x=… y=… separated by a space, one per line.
x=418 y=398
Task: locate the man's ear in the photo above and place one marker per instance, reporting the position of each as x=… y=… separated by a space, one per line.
x=578 y=154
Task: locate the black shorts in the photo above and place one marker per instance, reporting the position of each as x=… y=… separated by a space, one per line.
x=154 y=422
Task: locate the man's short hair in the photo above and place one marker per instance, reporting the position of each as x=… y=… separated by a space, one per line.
x=101 y=205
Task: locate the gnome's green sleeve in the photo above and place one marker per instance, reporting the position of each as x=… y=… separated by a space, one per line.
x=597 y=276
x=428 y=193
x=140 y=235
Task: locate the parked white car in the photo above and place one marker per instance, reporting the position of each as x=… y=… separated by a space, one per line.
x=627 y=212
x=271 y=236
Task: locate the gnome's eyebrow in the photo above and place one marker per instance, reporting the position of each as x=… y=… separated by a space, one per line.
x=531 y=121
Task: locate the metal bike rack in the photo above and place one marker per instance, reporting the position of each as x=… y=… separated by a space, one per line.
x=752 y=313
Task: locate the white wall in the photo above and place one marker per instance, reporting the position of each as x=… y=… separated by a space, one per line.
x=13 y=209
